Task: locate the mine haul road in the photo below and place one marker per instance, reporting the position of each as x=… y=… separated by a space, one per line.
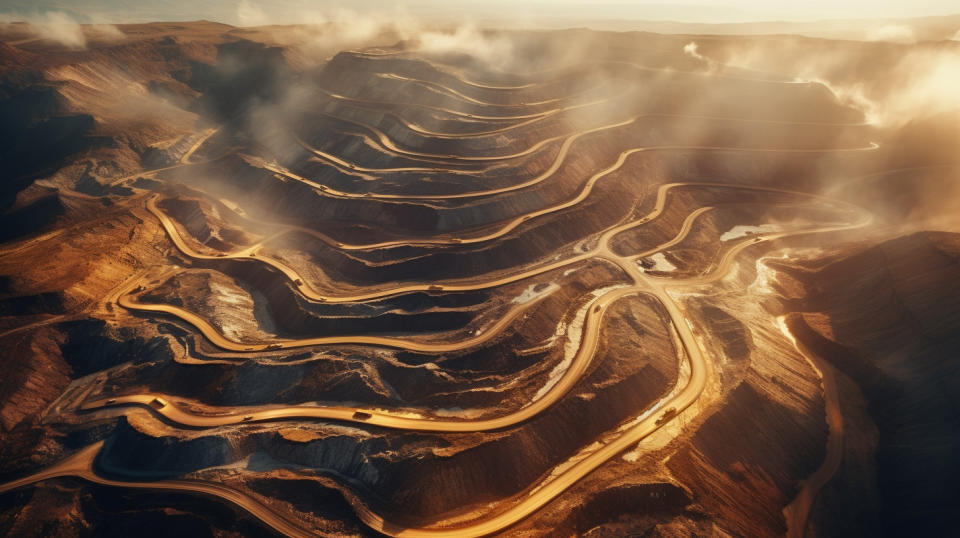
x=470 y=285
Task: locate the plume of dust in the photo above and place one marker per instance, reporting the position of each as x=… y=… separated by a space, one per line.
x=495 y=51
x=60 y=28
x=890 y=86
x=691 y=49
x=922 y=83
x=906 y=90
x=318 y=34
x=893 y=33
x=321 y=33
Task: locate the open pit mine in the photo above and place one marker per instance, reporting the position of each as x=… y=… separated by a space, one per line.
x=614 y=284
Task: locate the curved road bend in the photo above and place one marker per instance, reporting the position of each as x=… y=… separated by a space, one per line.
x=498 y=88
x=473 y=100
x=727 y=259
x=561 y=155
x=81 y=465
x=386 y=146
x=452 y=112
x=221 y=341
x=456 y=136
x=185 y=159
x=182 y=162
x=454 y=75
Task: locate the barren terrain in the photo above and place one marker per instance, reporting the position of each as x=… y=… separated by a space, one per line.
x=617 y=285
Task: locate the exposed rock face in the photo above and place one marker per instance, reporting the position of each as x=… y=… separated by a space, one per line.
x=31 y=385
x=105 y=511
x=747 y=457
x=38 y=133
x=885 y=317
x=652 y=502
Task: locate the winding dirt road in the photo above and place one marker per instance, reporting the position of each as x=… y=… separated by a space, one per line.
x=796 y=513
x=471 y=285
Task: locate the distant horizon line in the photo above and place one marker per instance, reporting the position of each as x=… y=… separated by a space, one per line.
x=575 y=23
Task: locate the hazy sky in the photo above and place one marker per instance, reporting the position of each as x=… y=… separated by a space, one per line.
x=494 y=10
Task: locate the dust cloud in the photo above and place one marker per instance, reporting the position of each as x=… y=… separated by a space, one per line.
x=319 y=34
x=892 y=84
x=60 y=28
x=894 y=33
